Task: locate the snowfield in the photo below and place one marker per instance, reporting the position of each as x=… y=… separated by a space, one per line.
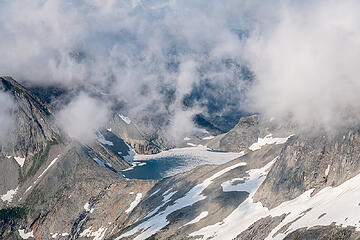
x=125 y=119
x=101 y=139
x=268 y=139
x=158 y=221
x=339 y=205
x=196 y=153
x=134 y=203
x=9 y=195
x=24 y=235
x=243 y=216
x=198 y=218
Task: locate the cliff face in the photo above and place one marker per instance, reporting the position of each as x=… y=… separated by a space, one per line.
x=33 y=122
x=142 y=141
x=31 y=134
x=311 y=162
x=47 y=179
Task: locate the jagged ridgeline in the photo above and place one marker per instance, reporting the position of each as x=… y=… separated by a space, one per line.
x=40 y=166
x=279 y=183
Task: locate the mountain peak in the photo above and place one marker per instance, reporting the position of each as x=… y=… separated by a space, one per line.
x=11 y=86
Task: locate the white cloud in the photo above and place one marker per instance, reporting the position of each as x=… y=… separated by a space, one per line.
x=82 y=117
x=7 y=108
x=138 y=52
x=307 y=64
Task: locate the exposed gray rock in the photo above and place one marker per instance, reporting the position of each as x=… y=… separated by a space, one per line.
x=32 y=132
x=33 y=127
x=247 y=132
x=143 y=141
x=331 y=232
x=260 y=229
x=309 y=161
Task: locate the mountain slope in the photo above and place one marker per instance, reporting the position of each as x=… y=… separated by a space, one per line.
x=46 y=178
x=287 y=184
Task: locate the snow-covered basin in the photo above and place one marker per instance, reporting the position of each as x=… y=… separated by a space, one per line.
x=174 y=161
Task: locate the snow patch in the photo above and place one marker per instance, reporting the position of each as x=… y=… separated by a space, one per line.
x=134 y=164
x=232 y=185
x=98 y=235
x=208 y=138
x=154 y=193
x=102 y=139
x=158 y=221
x=9 y=195
x=327 y=170
x=191 y=144
x=52 y=163
x=87 y=208
x=131 y=154
x=245 y=214
x=167 y=196
x=167 y=191
x=125 y=119
x=99 y=162
x=268 y=139
x=198 y=218
x=56 y=235
x=134 y=203
x=20 y=161
x=24 y=235
x=187 y=139
x=247 y=184
x=27 y=189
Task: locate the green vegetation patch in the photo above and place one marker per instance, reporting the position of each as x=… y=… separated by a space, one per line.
x=35 y=198
x=7 y=214
x=40 y=158
x=61 y=190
